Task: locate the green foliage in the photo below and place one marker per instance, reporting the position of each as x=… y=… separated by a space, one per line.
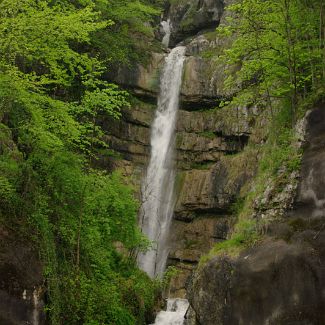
x=28 y=39
x=87 y=213
x=245 y=235
x=132 y=35
x=7 y=191
x=281 y=149
x=278 y=51
x=278 y=48
x=278 y=158
x=82 y=220
x=207 y=134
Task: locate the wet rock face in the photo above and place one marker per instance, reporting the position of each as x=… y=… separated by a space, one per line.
x=142 y=80
x=188 y=241
x=310 y=202
x=129 y=136
x=208 y=178
x=200 y=87
x=203 y=78
x=202 y=84
x=281 y=281
x=188 y=17
x=205 y=190
x=202 y=137
x=21 y=282
x=275 y=284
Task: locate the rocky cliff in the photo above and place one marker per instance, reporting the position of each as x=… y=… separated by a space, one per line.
x=278 y=281
x=210 y=174
x=281 y=279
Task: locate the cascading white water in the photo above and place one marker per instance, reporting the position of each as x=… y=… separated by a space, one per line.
x=157 y=189
x=167 y=29
x=175 y=313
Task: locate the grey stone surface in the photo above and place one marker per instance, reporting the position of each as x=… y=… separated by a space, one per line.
x=189 y=17
x=274 y=284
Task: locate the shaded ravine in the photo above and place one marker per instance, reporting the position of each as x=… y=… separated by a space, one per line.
x=158 y=187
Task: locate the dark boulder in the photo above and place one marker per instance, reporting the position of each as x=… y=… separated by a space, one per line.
x=274 y=284
x=21 y=282
x=281 y=281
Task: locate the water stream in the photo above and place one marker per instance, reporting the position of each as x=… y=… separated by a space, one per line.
x=175 y=313
x=167 y=28
x=158 y=186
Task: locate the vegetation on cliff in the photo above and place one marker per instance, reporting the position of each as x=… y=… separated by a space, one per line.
x=279 y=47
x=51 y=97
x=279 y=54
x=53 y=55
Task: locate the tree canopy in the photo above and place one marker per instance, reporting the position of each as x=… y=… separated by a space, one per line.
x=52 y=57
x=279 y=49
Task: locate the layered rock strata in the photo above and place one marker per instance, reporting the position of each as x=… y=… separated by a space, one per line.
x=208 y=178
x=208 y=138
x=281 y=280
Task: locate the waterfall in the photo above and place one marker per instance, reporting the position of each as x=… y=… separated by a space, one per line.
x=175 y=313
x=167 y=28
x=158 y=186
